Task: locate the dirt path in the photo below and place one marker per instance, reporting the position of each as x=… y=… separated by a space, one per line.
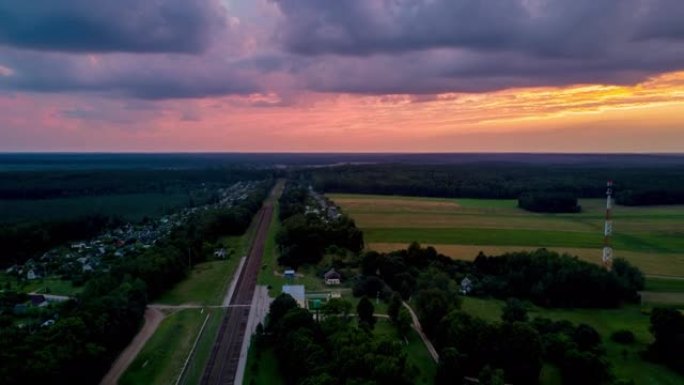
x=419 y=329
x=153 y=317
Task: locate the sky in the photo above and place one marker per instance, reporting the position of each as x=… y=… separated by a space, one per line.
x=342 y=76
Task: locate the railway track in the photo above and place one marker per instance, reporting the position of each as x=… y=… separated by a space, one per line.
x=223 y=362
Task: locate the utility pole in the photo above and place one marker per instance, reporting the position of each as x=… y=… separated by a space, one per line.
x=608 y=229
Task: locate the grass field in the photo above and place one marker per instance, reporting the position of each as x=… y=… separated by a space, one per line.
x=628 y=366
x=208 y=282
x=161 y=360
x=51 y=285
x=193 y=375
x=132 y=207
x=650 y=237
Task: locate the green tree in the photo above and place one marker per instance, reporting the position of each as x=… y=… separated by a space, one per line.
x=489 y=376
x=514 y=311
x=394 y=306
x=403 y=323
x=365 y=310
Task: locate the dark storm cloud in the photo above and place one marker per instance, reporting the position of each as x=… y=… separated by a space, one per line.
x=431 y=46
x=156 y=77
x=109 y=26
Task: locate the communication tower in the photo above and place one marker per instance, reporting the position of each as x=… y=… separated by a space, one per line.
x=608 y=230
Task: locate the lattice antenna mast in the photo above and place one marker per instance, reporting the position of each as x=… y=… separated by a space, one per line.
x=608 y=230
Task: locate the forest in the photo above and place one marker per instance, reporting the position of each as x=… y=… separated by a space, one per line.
x=94 y=327
x=304 y=237
x=633 y=186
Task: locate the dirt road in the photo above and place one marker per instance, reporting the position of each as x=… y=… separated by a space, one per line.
x=153 y=317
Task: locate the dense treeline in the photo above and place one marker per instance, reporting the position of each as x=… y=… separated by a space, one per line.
x=544 y=277
x=90 y=331
x=667 y=326
x=304 y=237
x=553 y=280
x=549 y=202
x=27 y=240
x=64 y=183
x=634 y=185
x=333 y=351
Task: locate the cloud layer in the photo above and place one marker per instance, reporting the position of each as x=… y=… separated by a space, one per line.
x=307 y=73
x=109 y=26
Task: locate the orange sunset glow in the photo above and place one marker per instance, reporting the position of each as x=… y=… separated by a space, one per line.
x=259 y=82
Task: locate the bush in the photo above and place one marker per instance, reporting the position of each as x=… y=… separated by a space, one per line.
x=623 y=337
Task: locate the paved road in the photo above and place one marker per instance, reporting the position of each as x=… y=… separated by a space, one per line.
x=153 y=317
x=223 y=363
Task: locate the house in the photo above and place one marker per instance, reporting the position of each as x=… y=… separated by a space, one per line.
x=332 y=277
x=220 y=253
x=87 y=268
x=297 y=292
x=289 y=274
x=466 y=286
x=31 y=275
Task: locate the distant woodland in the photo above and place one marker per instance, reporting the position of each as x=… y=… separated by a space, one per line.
x=634 y=186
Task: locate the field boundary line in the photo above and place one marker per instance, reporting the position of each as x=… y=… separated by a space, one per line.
x=192 y=351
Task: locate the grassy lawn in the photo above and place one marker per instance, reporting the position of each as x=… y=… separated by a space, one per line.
x=625 y=359
x=209 y=281
x=163 y=356
x=650 y=237
x=206 y=285
x=205 y=344
x=51 y=285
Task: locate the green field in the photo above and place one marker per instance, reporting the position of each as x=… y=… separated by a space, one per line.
x=650 y=237
x=628 y=366
x=208 y=282
x=50 y=285
x=132 y=207
x=193 y=374
x=164 y=355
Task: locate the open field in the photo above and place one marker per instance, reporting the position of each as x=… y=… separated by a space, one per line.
x=195 y=369
x=163 y=356
x=132 y=207
x=208 y=282
x=650 y=237
x=50 y=285
x=629 y=366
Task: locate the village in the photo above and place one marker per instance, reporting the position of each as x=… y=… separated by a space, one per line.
x=76 y=261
